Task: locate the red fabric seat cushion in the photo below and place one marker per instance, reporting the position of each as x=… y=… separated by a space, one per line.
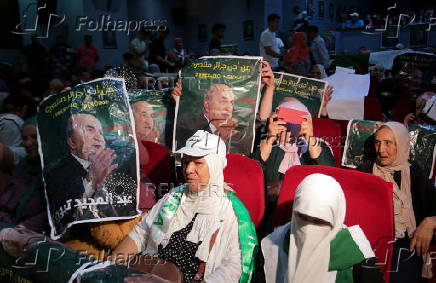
x=329 y=131
x=244 y=175
x=369 y=205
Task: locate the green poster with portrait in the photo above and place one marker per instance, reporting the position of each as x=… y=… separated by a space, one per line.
x=153 y=111
x=220 y=94
x=308 y=91
x=422 y=147
x=359 y=145
x=414 y=69
x=88 y=153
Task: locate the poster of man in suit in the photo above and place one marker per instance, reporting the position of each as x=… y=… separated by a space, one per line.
x=220 y=94
x=89 y=155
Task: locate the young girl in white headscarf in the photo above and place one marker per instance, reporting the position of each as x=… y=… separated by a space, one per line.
x=316 y=246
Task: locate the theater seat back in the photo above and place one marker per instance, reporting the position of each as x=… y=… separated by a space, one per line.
x=369 y=205
x=402 y=108
x=246 y=179
x=372 y=109
x=329 y=131
x=158 y=168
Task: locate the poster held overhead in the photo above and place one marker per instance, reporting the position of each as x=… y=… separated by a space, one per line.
x=308 y=91
x=153 y=111
x=220 y=94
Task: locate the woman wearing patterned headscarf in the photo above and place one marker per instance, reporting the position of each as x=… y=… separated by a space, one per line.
x=414 y=202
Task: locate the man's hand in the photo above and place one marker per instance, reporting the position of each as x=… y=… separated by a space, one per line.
x=101 y=166
x=267 y=75
x=152 y=136
x=225 y=129
x=177 y=91
x=423 y=235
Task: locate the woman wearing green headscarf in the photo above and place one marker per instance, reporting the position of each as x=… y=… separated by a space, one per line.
x=22 y=202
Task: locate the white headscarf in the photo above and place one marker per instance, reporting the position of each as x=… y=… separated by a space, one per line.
x=209 y=203
x=318 y=196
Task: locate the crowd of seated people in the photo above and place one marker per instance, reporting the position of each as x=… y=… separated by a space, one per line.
x=201 y=240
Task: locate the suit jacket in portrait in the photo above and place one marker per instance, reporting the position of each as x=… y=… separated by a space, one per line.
x=239 y=143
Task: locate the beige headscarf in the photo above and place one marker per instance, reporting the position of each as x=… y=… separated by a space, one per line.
x=404 y=217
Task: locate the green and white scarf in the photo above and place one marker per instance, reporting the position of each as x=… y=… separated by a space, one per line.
x=246 y=230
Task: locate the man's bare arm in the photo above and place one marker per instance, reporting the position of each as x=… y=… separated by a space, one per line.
x=270 y=52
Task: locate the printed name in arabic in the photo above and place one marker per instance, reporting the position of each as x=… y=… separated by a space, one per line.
x=124 y=199
x=62 y=211
x=293 y=91
x=75 y=94
x=201 y=65
x=88 y=202
x=245 y=69
x=233 y=77
x=63 y=110
x=92 y=104
x=205 y=75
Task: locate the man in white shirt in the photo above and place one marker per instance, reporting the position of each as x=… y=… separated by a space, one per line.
x=279 y=50
x=318 y=50
x=268 y=42
x=139 y=47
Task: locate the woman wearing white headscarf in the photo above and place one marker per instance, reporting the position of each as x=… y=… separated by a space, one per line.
x=414 y=202
x=316 y=246
x=200 y=227
x=283 y=149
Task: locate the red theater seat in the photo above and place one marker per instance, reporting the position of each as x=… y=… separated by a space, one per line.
x=158 y=168
x=369 y=204
x=402 y=108
x=246 y=178
x=328 y=130
x=372 y=109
